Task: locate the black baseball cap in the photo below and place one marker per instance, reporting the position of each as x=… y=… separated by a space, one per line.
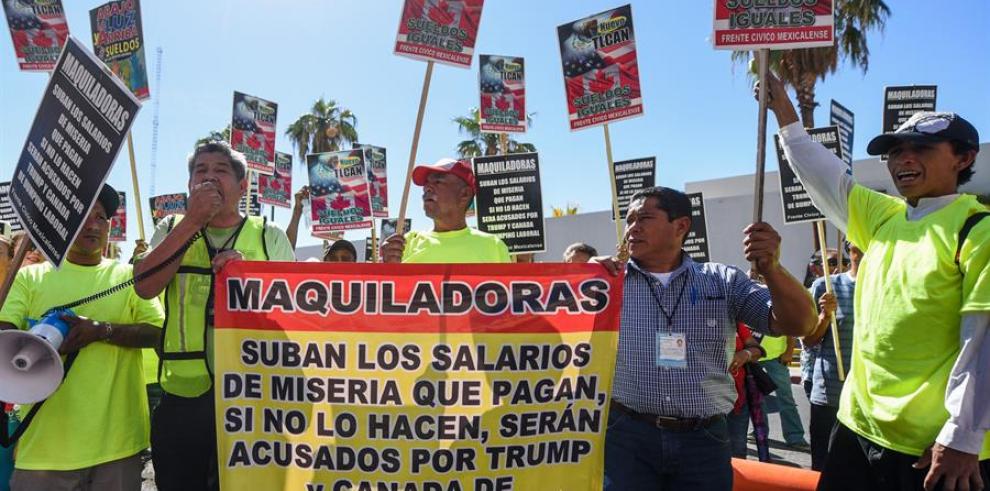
x=927 y=126
x=109 y=199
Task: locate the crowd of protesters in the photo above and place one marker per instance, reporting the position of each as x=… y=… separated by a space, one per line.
x=704 y=349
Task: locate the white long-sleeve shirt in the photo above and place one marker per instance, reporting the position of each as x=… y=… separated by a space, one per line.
x=967 y=397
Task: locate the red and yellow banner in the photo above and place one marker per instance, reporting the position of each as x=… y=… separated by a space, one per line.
x=414 y=377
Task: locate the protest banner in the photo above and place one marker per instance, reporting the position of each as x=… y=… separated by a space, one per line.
x=794 y=199
x=82 y=120
x=6 y=210
x=747 y=25
x=376 y=163
x=696 y=242
x=118 y=222
x=338 y=190
x=39 y=30
x=502 y=81
x=118 y=40
x=845 y=120
x=438 y=30
x=510 y=201
x=417 y=377
x=601 y=73
x=276 y=189
x=252 y=131
x=632 y=176
x=249 y=204
x=167 y=204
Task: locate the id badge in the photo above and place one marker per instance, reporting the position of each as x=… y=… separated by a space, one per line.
x=671 y=350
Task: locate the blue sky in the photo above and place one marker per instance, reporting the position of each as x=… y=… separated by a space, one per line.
x=700 y=120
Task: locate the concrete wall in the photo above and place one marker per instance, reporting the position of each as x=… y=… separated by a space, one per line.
x=729 y=206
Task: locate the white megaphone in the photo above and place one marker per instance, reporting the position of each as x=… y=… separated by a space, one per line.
x=30 y=366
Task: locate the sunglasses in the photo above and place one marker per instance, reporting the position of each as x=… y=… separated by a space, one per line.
x=929 y=125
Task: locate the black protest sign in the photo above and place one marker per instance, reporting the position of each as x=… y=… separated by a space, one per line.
x=250 y=196
x=900 y=103
x=389 y=224
x=6 y=210
x=84 y=115
x=797 y=205
x=845 y=120
x=696 y=242
x=632 y=176
x=510 y=204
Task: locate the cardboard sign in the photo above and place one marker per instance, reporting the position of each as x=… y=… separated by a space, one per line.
x=6 y=210
x=276 y=189
x=422 y=377
x=252 y=131
x=795 y=201
x=845 y=120
x=375 y=160
x=601 y=73
x=118 y=40
x=118 y=222
x=338 y=191
x=900 y=103
x=84 y=116
x=389 y=226
x=744 y=25
x=510 y=203
x=167 y=204
x=39 y=30
x=249 y=204
x=632 y=176
x=443 y=31
x=696 y=242
x=502 y=81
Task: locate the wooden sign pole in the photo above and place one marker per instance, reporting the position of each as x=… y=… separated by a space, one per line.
x=400 y=225
x=763 y=58
x=615 y=194
x=820 y=224
x=137 y=189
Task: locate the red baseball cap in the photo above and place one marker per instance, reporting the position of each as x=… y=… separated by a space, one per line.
x=459 y=168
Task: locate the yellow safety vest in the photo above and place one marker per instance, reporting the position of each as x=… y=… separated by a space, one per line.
x=183 y=369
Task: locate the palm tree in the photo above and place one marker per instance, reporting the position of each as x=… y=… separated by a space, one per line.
x=325 y=128
x=485 y=144
x=801 y=68
x=214 y=135
x=569 y=209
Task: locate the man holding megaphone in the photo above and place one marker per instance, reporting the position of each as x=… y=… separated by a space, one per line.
x=88 y=432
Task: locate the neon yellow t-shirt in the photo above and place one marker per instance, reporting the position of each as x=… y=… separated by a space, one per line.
x=100 y=413
x=774 y=346
x=909 y=302
x=467 y=245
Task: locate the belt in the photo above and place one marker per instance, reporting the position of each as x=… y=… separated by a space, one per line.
x=668 y=422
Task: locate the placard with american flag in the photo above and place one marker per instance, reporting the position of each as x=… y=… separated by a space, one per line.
x=443 y=31
x=338 y=191
x=252 y=131
x=39 y=31
x=745 y=25
x=502 y=80
x=601 y=73
x=276 y=190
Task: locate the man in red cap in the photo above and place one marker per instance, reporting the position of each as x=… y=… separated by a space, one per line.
x=448 y=189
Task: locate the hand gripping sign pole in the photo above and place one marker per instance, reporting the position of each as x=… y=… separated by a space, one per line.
x=400 y=225
x=820 y=224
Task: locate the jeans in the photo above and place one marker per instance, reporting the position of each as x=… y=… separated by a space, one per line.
x=738 y=428
x=790 y=420
x=641 y=457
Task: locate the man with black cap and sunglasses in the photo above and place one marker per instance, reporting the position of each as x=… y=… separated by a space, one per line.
x=89 y=432
x=914 y=410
